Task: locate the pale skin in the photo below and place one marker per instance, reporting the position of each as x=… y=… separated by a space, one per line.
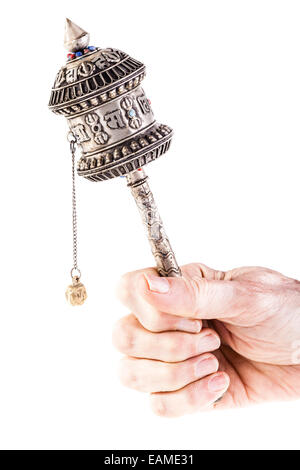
x=211 y=339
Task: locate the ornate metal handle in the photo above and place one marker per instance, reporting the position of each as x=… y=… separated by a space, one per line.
x=162 y=251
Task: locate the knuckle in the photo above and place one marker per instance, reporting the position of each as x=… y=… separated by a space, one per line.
x=189 y=345
x=263 y=302
x=196 y=288
x=173 y=346
x=127 y=375
x=152 y=323
x=180 y=346
x=123 y=288
x=172 y=374
x=124 y=336
x=192 y=396
x=158 y=405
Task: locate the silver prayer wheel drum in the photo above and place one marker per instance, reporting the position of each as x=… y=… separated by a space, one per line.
x=99 y=92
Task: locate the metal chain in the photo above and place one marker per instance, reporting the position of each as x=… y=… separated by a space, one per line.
x=75 y=271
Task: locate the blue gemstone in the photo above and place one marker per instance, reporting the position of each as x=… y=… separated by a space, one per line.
x=131 y=113
x=91 y=48
x=78 y=54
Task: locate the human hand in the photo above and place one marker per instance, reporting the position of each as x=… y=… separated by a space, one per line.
x=249 y=317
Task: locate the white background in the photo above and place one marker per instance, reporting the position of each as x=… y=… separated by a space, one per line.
x=225 y=75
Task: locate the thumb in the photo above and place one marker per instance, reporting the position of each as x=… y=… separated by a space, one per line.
x=197 y=297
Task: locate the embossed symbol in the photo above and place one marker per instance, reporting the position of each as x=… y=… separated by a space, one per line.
x=127 y=103
x=144 y=104
x=60 y=78
x=131 y=113
x=106 y=58
x=135 y=123
x=71 y=75
x=80 y=133
x=114 y=119
x=111 y=56
x=100 y=136
x=85 y=69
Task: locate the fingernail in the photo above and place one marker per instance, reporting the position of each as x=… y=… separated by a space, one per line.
x=208 y=343
x=205 y=366
x=157 y=284
x=218 y=383
x=190 y=326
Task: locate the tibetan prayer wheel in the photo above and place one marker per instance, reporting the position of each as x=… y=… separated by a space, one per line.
x=110 y=118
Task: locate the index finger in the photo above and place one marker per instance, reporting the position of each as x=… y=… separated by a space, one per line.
x=130 y=294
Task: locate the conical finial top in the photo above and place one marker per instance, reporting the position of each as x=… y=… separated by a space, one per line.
x=75 y=37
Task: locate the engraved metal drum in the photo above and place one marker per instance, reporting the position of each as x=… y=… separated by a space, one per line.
x=109 y=113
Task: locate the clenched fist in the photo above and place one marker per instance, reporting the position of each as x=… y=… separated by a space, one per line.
x=210 y=335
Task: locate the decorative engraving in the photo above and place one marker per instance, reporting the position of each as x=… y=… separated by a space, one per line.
x=100 y=136
x=135 y=123
x=159 y=242
x=127 y=103
x=114 y=119
x=144 y=104
x=85 y=69
x=108 y=84
x=71 y=75
x=158 y=135
x=107 y=58
x=60 y=78
x=76 y=293
x=111 y=56
x=80 y=133
x=131 y=112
